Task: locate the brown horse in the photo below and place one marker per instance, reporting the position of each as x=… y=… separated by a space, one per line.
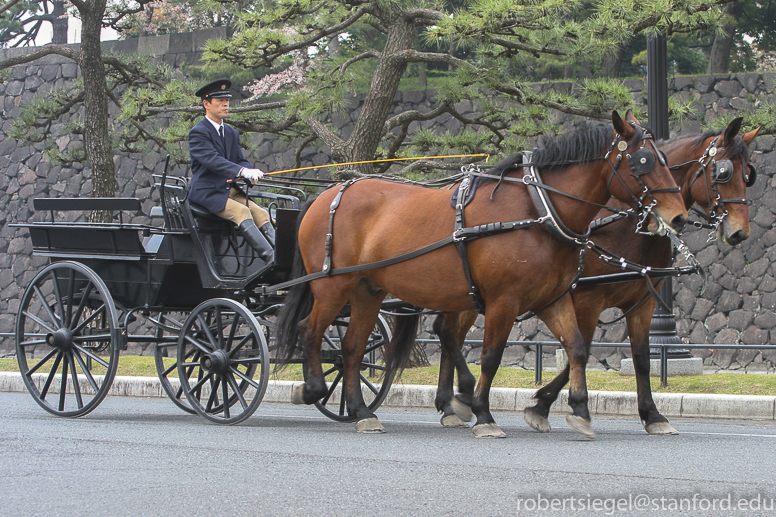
x=515 y=271
x=719 y=193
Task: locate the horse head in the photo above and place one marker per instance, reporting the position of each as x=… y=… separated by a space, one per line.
x=719 y=185
x=640 y=177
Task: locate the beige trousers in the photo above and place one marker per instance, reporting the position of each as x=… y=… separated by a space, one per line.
x=237 y=211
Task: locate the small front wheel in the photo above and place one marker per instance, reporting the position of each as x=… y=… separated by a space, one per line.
x=223 y=361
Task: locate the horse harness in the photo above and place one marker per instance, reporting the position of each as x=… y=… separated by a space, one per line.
x=721 y=172
x=641 y=162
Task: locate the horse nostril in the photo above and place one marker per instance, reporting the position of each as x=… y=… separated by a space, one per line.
x=736 y=238
x=678 y=223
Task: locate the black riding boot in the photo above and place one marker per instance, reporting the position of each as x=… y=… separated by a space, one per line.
x=257 y=241
x=269 y=232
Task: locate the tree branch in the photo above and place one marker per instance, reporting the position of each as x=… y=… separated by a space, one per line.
x=8 y=5
x=42 y=52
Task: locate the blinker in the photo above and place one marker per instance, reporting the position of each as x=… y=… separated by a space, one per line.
x=643 y=161
x=751 y=177
x=722 y=171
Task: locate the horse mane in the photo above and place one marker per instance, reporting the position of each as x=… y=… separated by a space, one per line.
x=586 y=143
x=736 y=148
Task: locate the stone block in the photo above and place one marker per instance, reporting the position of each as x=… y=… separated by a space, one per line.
x=412 y=396
x=676 y=367
x=153 y=45
x=765 y=320
x=728 y=406
x=740 y=319
x=729 y=301
x=669 y=404
x=616 y=403
x=703 y=83
x=754 y=336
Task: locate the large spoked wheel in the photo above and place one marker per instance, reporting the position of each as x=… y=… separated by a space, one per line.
x=223 y=361
x=375 y=378
x=67 y=339
x=166 y=359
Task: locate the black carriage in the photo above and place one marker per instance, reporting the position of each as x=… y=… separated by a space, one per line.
x=197 y=284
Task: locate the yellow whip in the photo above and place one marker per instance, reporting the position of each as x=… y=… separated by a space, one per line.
x=378 y=161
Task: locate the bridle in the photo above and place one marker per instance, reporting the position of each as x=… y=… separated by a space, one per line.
x=721 y=172
x=641 y=161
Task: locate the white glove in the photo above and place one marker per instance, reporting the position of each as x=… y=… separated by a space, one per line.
x=252 y=174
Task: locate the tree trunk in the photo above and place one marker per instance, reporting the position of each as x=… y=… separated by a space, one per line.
x=59 y=25
x=719 y=60
x=612 y=65
x=385 y=83
x=97 y=137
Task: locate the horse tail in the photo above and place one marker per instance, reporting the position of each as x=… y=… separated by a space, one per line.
x=297 y=305
x=399 y=349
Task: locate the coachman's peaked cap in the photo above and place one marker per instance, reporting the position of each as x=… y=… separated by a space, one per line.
x=219 y=88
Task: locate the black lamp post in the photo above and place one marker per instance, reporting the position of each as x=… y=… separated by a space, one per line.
x=663 y=328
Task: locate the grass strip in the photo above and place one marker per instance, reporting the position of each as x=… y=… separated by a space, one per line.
x=719 y=383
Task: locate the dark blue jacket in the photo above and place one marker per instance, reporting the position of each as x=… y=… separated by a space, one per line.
x=212 y=165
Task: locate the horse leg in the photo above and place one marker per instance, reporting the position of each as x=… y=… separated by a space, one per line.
x=537 y=415
x=451 y=329
x=562 y=322
x=639 y=322
x=365 y=310
x=498 y=325
x=311 y=330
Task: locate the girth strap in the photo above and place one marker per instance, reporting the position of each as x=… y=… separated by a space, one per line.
x=460 y=244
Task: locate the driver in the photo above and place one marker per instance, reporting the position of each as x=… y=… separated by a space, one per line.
x=216 y=157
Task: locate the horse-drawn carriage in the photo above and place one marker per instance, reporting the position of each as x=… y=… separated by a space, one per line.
x=211 y=300
x=196 y=284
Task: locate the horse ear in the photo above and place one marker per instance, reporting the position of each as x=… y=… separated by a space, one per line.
x=630 y=117
x=749 y=137
x=731 y=131
x=624 y=129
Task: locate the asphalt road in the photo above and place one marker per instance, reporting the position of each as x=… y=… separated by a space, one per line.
x=139 y=457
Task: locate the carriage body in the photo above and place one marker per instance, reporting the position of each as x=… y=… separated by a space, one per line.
x=199 y=286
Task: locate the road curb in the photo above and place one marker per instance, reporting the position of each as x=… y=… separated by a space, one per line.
x=620 y=403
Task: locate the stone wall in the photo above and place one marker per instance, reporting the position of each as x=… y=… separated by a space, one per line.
x=738 y=304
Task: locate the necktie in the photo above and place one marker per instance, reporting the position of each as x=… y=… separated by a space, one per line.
x=221 y=134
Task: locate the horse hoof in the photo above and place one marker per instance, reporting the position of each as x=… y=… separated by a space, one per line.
x=488 y=431
x=453 y=421
x=464 y=411
x=370 y=425
x=580 y=425
x=298 y=397
x=538 y=422
x=661 y=428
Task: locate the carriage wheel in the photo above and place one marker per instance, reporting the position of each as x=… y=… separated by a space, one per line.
x=375 y=378
x=67 y=330
x=223 y=361
x=167 y=325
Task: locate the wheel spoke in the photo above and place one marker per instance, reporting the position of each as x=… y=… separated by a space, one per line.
x=332 y=388
x=202 y=348
x=37 y=320
x=342 y=403
x=198 y=386
x=57 y=294
x=70 y=289
x=50 y=377
x=63 y=386
x=213 y=399
x=225 y=396
x=82 y=305
x=244 y=377
x=86 y=371
x=92 y=356
x=219 y=327
x=332 y=369
x=51 y=315
x=369 y=385
x=92 y=317
x=374 y=366
x=74 y=376
x=206 y=329
x=331 y=342
x=240 y=345
x=237 y=391
x=41 y=362
x=33 y=343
